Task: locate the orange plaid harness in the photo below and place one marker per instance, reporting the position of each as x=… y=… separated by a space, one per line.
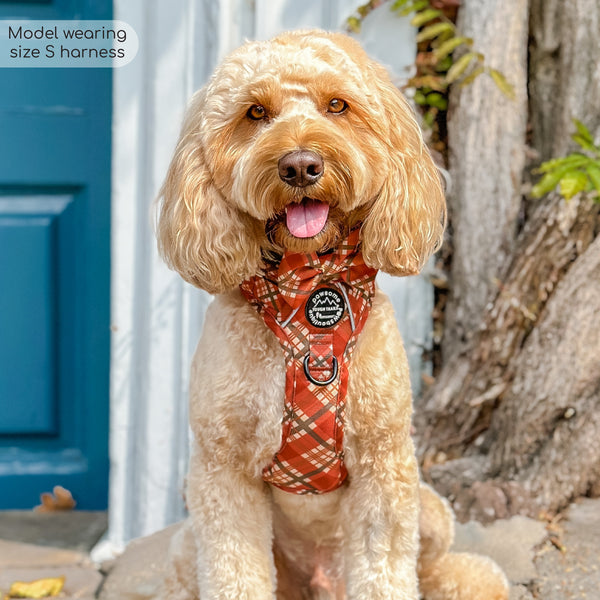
x=316 y=304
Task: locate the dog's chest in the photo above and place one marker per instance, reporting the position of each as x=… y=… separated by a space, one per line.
x=314 y=517
x=308 y=531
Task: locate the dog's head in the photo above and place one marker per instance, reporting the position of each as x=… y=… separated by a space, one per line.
x=292 y=143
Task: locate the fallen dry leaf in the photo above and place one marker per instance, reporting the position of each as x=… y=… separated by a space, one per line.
x=554 y=528
x=40 y=588
x=60 y=499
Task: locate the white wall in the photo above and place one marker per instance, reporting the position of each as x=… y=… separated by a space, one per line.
x=156 y=318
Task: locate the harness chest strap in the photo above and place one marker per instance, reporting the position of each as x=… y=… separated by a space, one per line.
x=316 y=304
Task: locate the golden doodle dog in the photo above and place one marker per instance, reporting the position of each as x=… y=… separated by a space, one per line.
x=299 y=173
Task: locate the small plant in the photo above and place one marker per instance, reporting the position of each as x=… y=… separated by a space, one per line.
x=574 y=173
x=438 y=41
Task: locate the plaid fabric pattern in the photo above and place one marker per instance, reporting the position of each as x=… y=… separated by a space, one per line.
x=310 y=459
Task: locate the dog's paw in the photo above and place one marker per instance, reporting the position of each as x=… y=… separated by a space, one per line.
x=464 y=576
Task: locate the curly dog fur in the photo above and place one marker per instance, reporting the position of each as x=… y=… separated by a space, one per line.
x=222 y=216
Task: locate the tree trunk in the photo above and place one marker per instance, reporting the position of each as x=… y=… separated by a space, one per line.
x=472 y=383
x=511 y=423
x=486 y=133
x=546 y=435
x=564 y=75
x=473 y=409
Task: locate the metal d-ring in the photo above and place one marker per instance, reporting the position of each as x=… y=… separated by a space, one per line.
x=313 y=380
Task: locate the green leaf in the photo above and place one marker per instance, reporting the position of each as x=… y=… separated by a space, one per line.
x=354 y=24
x=429 y=117
x=420 y=98
x=444 y=65
x=585 y=143
x=461 y=65
x=593 y=172
x=414 y=7
x=583 y=131
x=425 y=16
x=437 y=100
x=573 y=183
x=549 y=181
x=572 y=160
x=450 y=45
x=364 y=10
x=502 y=84
x=432 y=31
x=398 y=4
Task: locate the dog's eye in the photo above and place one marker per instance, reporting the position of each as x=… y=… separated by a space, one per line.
x=257 y=112
x=337 y=106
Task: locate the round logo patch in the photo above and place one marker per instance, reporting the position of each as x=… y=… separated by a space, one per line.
x=324 y=307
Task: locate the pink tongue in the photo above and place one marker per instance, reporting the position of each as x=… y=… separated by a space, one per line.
x=306 y=219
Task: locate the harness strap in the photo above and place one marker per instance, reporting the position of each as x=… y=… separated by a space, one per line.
x=317 y=323
x=320 y=364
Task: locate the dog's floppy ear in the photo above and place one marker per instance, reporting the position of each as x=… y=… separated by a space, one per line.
x=406 y=222
x=207 y=240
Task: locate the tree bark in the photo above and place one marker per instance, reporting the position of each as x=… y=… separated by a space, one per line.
x=546 y=435
x=459 y=407
x=522 y=413
x=486 y=158
x=511 y=423
x=564 y=72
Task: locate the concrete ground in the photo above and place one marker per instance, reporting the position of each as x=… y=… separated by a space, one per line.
x=35 y=546
x=556 y=561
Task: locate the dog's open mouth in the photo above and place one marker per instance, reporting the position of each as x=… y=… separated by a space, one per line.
x=306 y=219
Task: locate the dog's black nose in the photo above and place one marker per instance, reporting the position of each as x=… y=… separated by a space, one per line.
x=300 y=168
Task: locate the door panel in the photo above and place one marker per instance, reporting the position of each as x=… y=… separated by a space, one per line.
x=54 y=273
x=29 y=367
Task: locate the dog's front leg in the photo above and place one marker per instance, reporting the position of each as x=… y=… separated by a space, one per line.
x=232 y=523
x=236 y=399
x=380 y=504
x=381 y=532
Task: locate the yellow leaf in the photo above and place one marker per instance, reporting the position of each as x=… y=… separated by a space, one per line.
x=461 y=65
x=428 y=81
x=502 y=84
x=472 y=76
x=432 y=31
x=40 y=588
x=572 y=183
x=583 y=131
x=423 y=17
x=450 y=45
x=354 y=24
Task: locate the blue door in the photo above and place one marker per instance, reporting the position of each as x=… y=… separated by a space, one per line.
x=54 y=272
